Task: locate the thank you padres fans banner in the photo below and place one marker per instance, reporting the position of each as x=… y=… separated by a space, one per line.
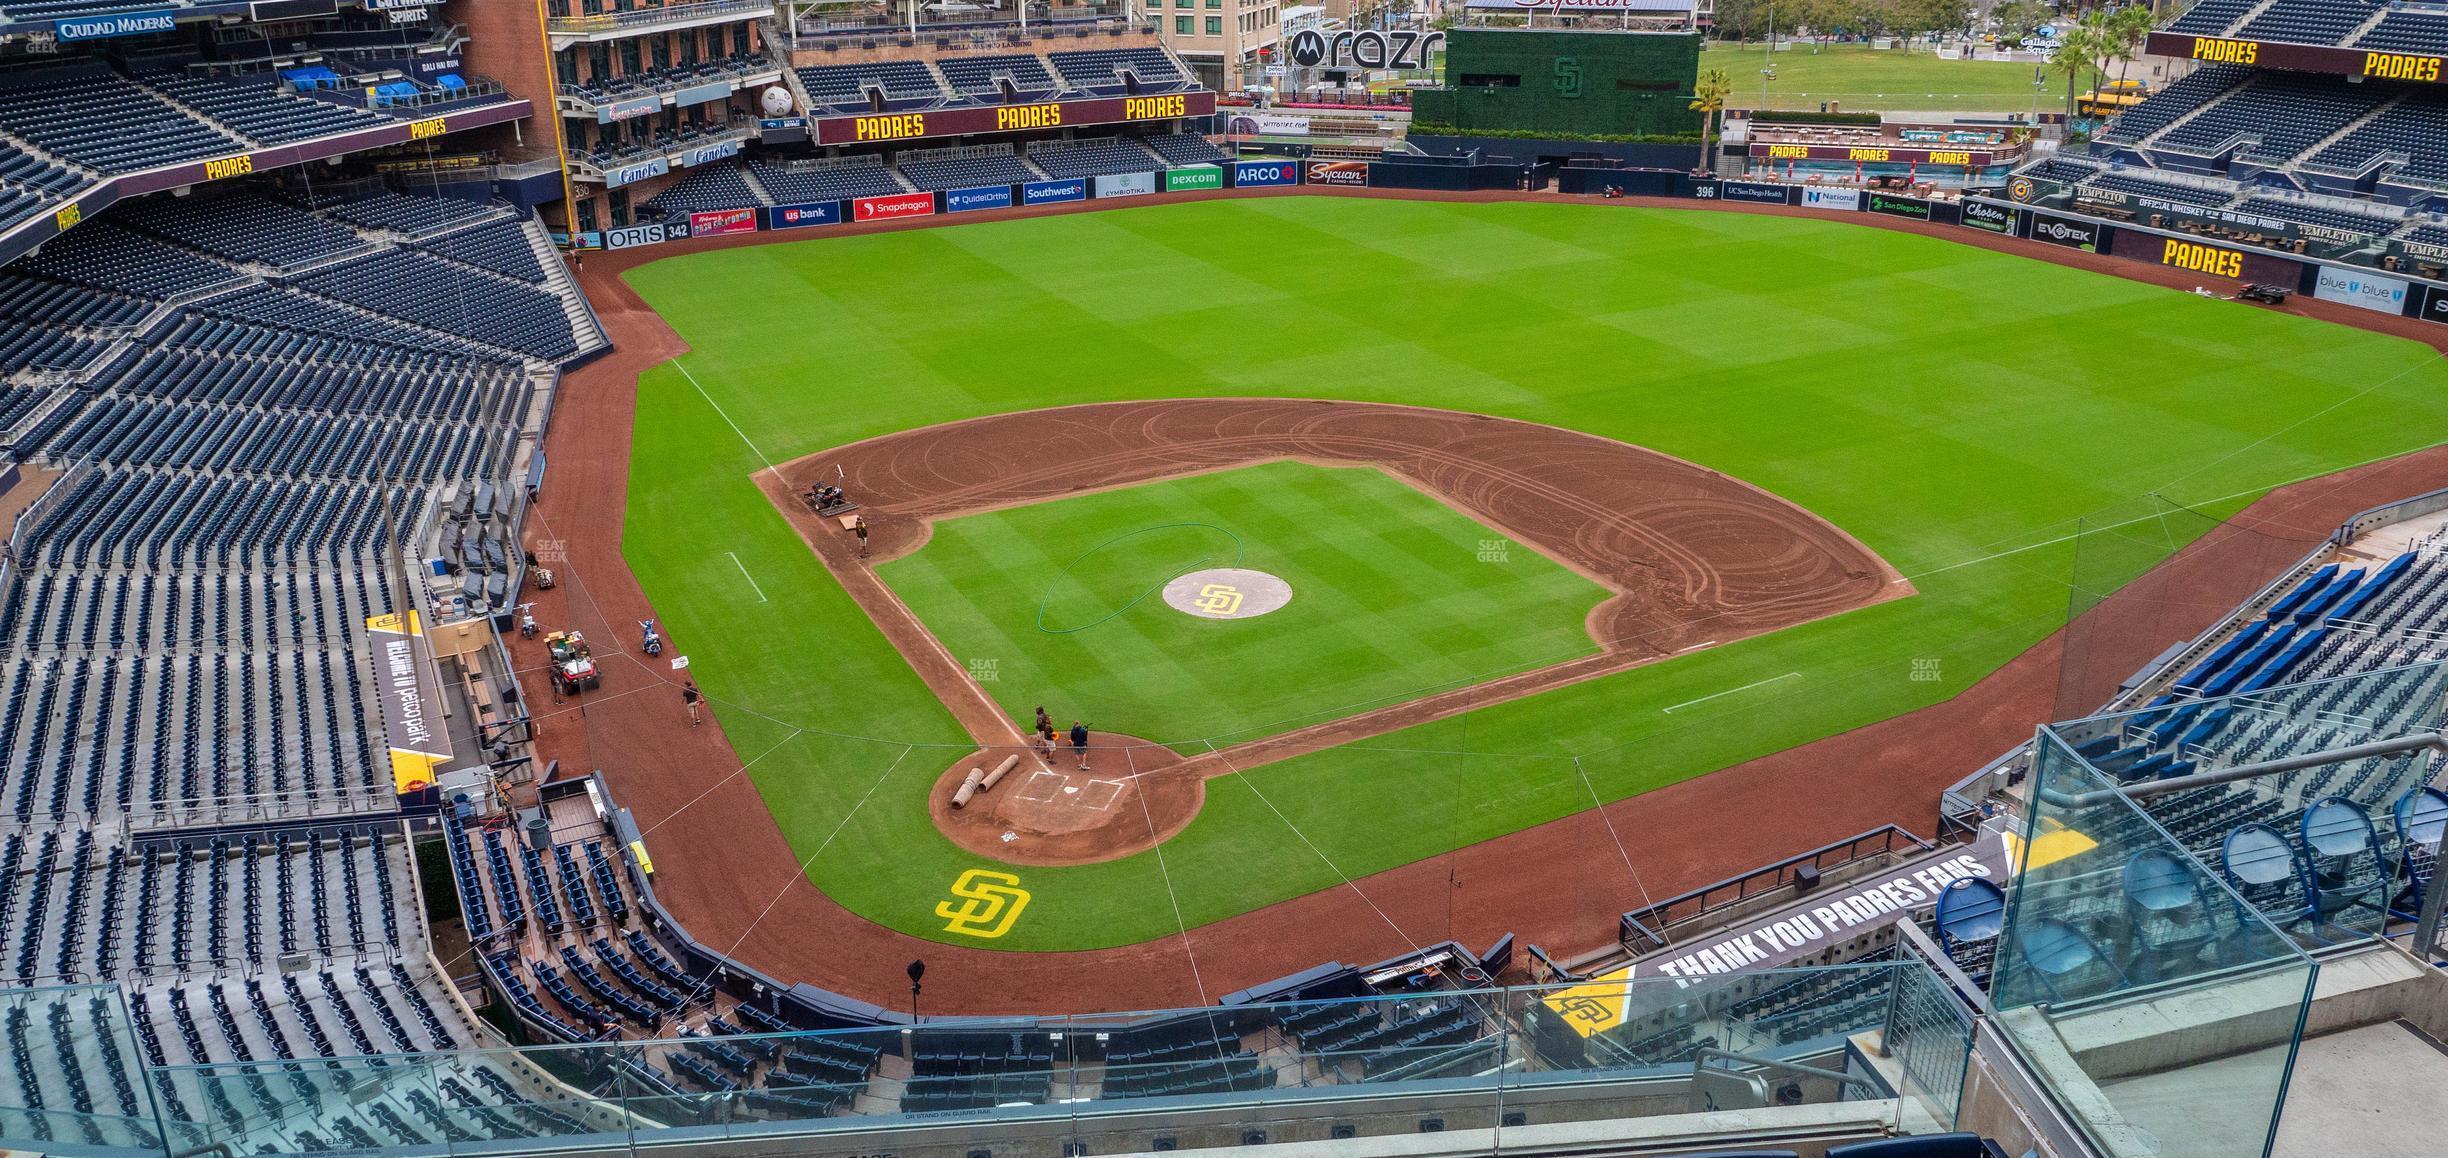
x=411 y=704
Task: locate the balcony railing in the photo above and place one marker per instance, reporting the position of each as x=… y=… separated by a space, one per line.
x=639 y=19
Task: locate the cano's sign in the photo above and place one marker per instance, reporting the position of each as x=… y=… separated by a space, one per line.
x=869 y=128
x=2374 y=64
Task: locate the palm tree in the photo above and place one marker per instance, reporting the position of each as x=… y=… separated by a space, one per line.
x=2128 y=29
x=2078 y=52
x=1709 y=93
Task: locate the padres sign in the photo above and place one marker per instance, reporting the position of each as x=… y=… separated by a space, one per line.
x=984 y=904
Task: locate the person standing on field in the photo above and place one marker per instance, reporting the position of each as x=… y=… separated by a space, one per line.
x=860 y=529
x=690 y=695
x=1079 y=743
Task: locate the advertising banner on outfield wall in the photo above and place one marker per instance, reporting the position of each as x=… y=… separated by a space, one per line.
x=722 y=221
x=1993 y=218
x=1345 y=173
x=893 y=205
x=2433 y=307
x=634 y=236
x=1255 y=174
x=2203 y=258
x=1050 y=192
x=803 y=216
x=1894 y=206
x=1755 y=192
x=2370 y=291
x=981 y=197
x=1194 y=177
x=1846 y=197
x=1125 y=184
x=2065 y=231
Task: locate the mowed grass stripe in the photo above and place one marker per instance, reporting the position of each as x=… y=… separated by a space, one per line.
x=1366 y=625
x=1941 y=402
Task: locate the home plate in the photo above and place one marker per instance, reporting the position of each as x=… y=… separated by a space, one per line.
x=1009 y=837
x=1070 y=790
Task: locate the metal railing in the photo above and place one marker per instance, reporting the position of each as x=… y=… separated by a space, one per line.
x=1651 y=926
x=641 y=18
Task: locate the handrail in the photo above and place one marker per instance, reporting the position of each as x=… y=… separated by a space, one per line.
x=648 y=17
x=1652 y=922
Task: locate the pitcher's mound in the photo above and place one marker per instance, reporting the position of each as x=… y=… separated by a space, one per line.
x=1132 y=796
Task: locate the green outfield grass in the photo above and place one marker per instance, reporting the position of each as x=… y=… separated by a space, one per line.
x=1961 y=411
x=1863 y=79
x=1390 y=593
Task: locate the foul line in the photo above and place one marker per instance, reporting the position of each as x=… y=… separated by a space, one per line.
x=1252 y=784
x=752 y=583
x=1189 y=951
x=1731 y=691
x=725 y=416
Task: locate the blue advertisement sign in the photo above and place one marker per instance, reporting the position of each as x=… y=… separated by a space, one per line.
x=115 y=24
x=620 y=175
x=982 y=197
x=1252 y=174
x=1049 y=192
x=802 y=216
x=714 y=152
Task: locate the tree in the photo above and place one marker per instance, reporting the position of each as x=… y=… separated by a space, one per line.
x=2079 y=52
x=1709 y=93
x=2017 y=20
x=2127 y=29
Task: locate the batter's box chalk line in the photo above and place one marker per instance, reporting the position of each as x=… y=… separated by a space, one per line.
x=1042 y=787
x=1102 y=794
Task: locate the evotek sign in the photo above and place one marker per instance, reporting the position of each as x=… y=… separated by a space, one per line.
x=1395 y=48
x=2082 y=235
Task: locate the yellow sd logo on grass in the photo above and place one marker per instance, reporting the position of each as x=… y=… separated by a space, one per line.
x=988 y=903
x=1218 y=599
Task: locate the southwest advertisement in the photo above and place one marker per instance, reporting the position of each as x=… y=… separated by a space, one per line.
x=1050 y=192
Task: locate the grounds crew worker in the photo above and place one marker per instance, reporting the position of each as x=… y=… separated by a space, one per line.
x=1079 y=742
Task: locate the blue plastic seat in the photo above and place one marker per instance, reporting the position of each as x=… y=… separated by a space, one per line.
x=2343 y=869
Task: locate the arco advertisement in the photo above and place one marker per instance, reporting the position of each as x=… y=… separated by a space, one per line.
x=1257 y=174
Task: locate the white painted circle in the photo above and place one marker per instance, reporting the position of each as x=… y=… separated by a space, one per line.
x=1227 y=593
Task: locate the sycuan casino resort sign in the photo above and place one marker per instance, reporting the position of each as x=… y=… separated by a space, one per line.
x=2416 y=67
x=868 y=127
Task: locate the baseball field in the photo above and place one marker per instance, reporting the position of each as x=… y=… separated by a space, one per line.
x=1957 y=413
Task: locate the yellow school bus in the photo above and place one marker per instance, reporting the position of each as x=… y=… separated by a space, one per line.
x=2112 y=98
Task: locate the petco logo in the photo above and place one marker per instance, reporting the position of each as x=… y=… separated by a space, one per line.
x=988 y=904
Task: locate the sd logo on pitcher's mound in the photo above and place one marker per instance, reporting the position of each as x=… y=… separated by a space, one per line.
x=1227 y=593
